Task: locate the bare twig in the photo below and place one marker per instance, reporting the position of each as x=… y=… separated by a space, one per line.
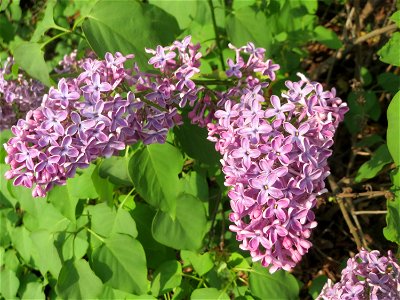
x=369 y=195
x=370 y=212
x=353 y=230
x=376 y=32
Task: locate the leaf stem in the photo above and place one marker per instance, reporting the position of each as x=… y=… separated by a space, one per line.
x=95 y=234
x=126 y=198
x=217 y=39
x=54 y=38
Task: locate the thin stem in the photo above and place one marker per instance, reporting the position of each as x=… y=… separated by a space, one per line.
x=375 y=32
x=54 y=38
x=126 y=198
x=95 y=234
x=217 y=39
x=213 y=82
x=370 y=212
x=191 y=277
x=345 y=213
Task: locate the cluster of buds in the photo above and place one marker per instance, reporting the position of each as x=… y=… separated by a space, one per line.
x=97 y=114
x=17 y=96
x=275 y=153
x=368 y=275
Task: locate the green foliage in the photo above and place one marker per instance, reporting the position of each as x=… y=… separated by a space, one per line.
x=390 y=52
x=371 y=168
x=34 y=64
x=108 y=32
x=280 y=285
x=392 y=230
x=186 y=230
x=121 y=263
x=78 y=281
x=166 y=277
x=154 y=171
x=209 y=293
x=393 y=131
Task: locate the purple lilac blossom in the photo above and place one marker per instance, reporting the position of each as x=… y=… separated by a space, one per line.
x=367 y=276
x=17 y=96
x=275 y=152
x=106 y=107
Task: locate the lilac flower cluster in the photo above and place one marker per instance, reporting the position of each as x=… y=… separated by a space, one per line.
x=368 y=275
x=17 y=96
x=275 y=153
x=98 y=113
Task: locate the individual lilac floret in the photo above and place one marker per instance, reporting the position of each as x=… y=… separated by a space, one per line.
x=367 y=276
x=275 y=153
x=106 y=107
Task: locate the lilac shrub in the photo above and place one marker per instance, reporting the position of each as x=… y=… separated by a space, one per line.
x=275 y=152
x=17 y=96
x=99 y=112
x=368 y=275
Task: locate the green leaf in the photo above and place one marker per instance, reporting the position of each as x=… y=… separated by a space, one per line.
x=390 y=82
x=202 y=263
x=11 y=260
x=33 y=290
x=107 y=220
x=236 y=260
x=9 y=283
x=390 y=52
x=195 y=183
x=82 y=186
x=29 y=56
x=121 y=263
x=115 y=169
x=249 y=24
x=209 y=293
x=396 y=17
x=184 y=14
x=61 y=198
x=317 y=285
x=188 y=228
x=110 y=293
x=192 y=139
x=366 y=76
x=371 y=168
x=280 y=285
x=103 y=187
x=6 y=198
x=44 y=252
x=128 y=27
x=392 y=230
x=370 y=140
x=5 y=135
x=77 y=281
x=23 y=244
x=156 y=253
x=167 y=277
x=393 y=131
x=41 y=215
x=154 y=171
x=46 y=23
x=72 y=247
x=327 y=37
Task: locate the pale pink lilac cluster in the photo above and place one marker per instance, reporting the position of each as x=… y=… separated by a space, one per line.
x=98 y=113
x=367 y=276
x=17 y=95
x=242 y=74
x=275 y=152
